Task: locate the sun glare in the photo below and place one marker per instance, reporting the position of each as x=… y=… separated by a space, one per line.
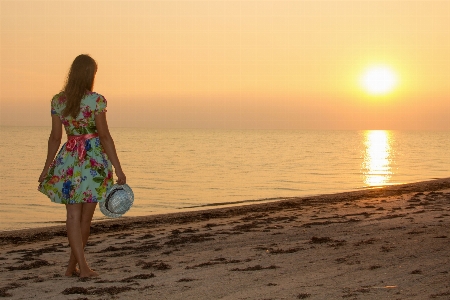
x=376 y=166
x=379 y=80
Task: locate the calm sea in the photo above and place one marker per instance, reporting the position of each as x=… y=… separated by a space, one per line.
x=179 y=170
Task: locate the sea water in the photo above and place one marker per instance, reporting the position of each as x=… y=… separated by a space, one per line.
x=173 y=170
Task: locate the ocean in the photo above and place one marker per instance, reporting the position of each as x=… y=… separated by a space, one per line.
x=174 y=170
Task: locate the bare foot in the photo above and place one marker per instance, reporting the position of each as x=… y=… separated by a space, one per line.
x=89 y=273
x=71 y=271
x=72 y=267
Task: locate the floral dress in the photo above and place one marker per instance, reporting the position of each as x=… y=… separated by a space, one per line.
x=72 y=179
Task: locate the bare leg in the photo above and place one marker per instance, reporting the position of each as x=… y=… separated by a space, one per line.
x=78 y=222
x=85 y=226
x=72 y=266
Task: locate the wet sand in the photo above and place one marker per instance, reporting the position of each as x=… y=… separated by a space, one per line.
x=388 y=243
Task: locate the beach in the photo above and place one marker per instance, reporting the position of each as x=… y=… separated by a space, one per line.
x=383 y=243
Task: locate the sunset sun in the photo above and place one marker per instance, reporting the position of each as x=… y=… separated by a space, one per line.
x=379 y=80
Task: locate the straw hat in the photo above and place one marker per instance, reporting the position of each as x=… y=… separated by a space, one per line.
x=118 y=201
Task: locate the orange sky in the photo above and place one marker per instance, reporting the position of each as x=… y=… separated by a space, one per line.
x=232 y=64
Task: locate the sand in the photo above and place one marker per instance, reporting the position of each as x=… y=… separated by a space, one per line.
x=388 y=243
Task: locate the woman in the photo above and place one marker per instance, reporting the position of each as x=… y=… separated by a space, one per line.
x=81 y=173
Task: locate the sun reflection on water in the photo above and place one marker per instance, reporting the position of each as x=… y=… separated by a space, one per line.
x=376 y=166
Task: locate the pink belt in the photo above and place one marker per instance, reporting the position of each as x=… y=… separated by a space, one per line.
x=79 y=141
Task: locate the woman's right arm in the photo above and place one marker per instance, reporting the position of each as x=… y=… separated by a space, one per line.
x=108 y=144
x=53 y=144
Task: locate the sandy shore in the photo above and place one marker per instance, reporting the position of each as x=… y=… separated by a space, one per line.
x=390 y=243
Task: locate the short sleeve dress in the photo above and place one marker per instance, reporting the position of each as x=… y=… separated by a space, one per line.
x=73 y=180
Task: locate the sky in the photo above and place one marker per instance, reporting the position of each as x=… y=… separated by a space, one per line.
x=232 y=64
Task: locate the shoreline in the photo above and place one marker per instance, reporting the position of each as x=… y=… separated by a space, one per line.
x=124 y=223
x=389 y=242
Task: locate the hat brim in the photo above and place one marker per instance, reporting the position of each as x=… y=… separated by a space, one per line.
x=106 y=212
x=104 y=207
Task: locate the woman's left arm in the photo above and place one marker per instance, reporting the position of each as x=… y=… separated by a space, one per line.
x=53 y=145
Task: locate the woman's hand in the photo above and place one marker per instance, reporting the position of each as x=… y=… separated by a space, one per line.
x=43 y=175
x=121 y=178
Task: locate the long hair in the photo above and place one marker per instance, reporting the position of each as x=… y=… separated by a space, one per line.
x=80 y=79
